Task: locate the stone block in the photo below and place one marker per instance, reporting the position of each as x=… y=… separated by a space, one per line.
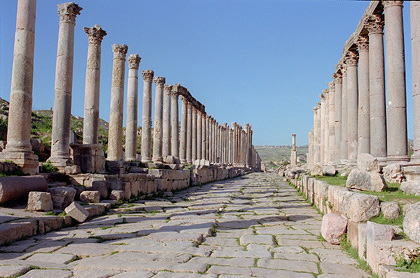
x=362 y=240
x=328 y=170
x=72 y=170
x=333 y=227
x=50 y=223
x=90 y=196
x=411 y=223
x=411 y=187
x=353 y=234
x=62 y=196
x=361 y=207
x=393 y=172
x=39 y=201
x=117 y=195
x=367 y=162
x=77 y=212
x=365 y=181
x=89 y=158
x=13 y=231
x=18 y=187
x=101 y=187
x=376 y=232
x=316 y=170
x=390 y=210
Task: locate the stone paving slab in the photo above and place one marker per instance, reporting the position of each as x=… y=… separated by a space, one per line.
x=252 y=226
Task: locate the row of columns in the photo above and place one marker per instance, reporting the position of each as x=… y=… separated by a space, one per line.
x=199 y=136
x=364 y=108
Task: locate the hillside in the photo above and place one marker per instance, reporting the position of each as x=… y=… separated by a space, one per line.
x=276 y=155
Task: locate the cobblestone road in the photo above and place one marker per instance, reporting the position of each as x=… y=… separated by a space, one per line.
x=253 y=226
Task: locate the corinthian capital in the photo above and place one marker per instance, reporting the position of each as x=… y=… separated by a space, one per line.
x=374 y=24
x=160 y=81
x=390 y=3
x=95 y=34
x=134 y=61
x=338 y=77
x=68 y=12
x=147 y=75
x=331 y=87
x=351 y=58
x=120 y=51
x=362 y=43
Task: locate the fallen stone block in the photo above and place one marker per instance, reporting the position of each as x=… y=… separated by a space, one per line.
x=390 y=210
x=17 y=187
x=411 y=187
x=101 y=186
x=50 y=223
x=316 y=170
x=77 y=212
x=39 y=201
x=90 y=196
x=411 y=223
x=361 y=207
x=328 y=170
x=376 y=232
x=365 y=181
x=117 y=195
x=393 y=172
x=62 y=196
x=367 y=162
x=333 y=227
x=13 y=231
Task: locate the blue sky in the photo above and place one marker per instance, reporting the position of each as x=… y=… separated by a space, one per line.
x=260 y=62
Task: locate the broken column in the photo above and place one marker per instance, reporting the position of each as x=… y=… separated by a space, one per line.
x=60 y=138
x=18 y=148
x=132 y=107
x=146 y=126
x=115 y=131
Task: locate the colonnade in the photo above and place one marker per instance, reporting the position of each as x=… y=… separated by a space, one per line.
x=197 y=136
x=364 y=108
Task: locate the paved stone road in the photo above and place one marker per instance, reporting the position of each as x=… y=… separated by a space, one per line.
x=253 y=226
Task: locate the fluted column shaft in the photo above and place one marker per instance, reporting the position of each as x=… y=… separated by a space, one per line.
x=115 y=130
x=92 y=85
x=189 y=132
x=60 y=137
x=132 y=108
x=344 y=116
x=316 y=154
x=174 y=125
x=203 y=136
x=352 y=107
x=363 y=125
x=322 y=142
x=397 y=142
x=158 y=121
x=415 y=45
x=146 y=126
x=199 y=133
x=18 y=148
x=331 y=123
x=166 y=122
x=378 y=145
x=194 y=134
x=183 y=133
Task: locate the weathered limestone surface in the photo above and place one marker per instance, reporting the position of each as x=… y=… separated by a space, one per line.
x=146 y=126
x=206 y=231
x=157 y=129
x=363 y=124
x=60 y=137
x=15 y=187
x=166 y=124
x=39 y=201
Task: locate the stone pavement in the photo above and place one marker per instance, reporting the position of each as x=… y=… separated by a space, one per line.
x=252 y=226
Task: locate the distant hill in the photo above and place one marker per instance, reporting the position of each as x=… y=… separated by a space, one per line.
x=276 y=155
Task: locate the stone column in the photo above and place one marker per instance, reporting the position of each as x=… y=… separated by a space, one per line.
x=166 y=124
x=189 y=132
x=194 y=134
x=132 y=107
x=293 y=154
x=374 y=24
x=158 y=123
x=146 y=126
x=18 y=148
x=310 y=156
x=199 y=133
x=214 y=136
x=338 y=109
x=183 y=135
x=322 y=141
x=352 y=107
x=210 y=141
x=315 y=148
x=415 y=45
x=60 y=137
x=115 y=130
x=395 y=82
x=363 y=125
x=344 y=123
x=174 y=124
x=203 y=136
x=92 y=85
x=331 y=122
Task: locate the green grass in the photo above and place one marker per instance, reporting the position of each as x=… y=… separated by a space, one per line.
x=393 y=193
x=47 y=167
x=352 y=252
x=408 y=265
x=380 y=219
x=333 y=180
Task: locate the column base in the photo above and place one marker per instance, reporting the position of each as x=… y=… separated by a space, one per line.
x=60 y=162
x=26 y=160
x=157 y=159
x=396 y=159
x=89 y=157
